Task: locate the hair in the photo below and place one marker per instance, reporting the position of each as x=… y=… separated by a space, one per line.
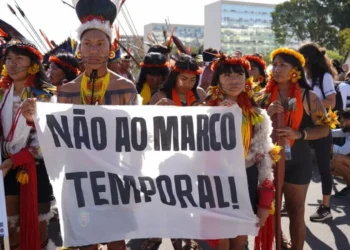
x=296 y=64
x=224 y=68
x=69 y=59
x=159 y=49
x=209 y=54
x=345 y=114
x=152 y=59
x=317 y=62
x=183 y=62
x=40 y=77
x=337 y=65
x=261 y=70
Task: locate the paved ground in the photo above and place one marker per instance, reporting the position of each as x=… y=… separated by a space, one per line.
x=334 y=234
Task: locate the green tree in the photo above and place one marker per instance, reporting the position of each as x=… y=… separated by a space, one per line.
x=321 y=21
x=335 y=55
x=344 y=37
x=306 y=20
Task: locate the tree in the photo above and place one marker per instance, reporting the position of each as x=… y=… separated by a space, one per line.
x=344 y=36
x=306 y=20
x=320 y=21
x=335 y=55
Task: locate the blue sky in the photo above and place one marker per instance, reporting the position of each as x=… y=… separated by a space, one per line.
x=59 y=21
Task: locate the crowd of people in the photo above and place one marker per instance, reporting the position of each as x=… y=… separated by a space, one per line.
x=303 y=84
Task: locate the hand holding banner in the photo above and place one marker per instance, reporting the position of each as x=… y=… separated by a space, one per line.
x=143 y=172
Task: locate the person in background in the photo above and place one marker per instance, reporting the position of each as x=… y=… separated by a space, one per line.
x=320 y=75
x=64 y=67
x=181 y=87
x=154 y=71
x=340 y=164
x=341 y=74
x=257 y=71
x=125 y=67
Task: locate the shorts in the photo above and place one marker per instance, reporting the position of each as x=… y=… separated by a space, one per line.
x=298 y=170
x=45 y=192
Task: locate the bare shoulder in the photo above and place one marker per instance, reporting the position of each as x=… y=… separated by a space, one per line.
x=72 y=86
x=119 y=82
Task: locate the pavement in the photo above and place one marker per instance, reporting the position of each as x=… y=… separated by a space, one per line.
x=332 y=234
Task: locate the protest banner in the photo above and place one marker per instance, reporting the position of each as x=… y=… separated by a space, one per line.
x=127 y=172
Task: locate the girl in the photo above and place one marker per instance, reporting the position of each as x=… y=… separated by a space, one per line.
x=181 y=87
x=320 y=75
x=257 y=71
x=230 y=86
x=288 y=92
x=154 y=70
x=27 y=187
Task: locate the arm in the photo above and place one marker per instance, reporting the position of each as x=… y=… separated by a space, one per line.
x=342 y=150
x=156 y=98
x=319 y=131
x=329 y=102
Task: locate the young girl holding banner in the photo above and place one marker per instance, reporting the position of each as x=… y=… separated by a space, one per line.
x=27 y=187
x=231 y=85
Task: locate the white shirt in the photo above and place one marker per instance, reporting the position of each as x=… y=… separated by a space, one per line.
x=345 y=149
x=328 y=86
x=344 y=89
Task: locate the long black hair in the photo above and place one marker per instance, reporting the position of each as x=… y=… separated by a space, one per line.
x=317 y=63
x=40 y=78
x=296 y=64
x=185 y=63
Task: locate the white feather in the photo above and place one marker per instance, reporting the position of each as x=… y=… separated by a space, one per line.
x=262 y=145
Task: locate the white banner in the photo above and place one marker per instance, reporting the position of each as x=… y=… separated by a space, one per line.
x=128 y=172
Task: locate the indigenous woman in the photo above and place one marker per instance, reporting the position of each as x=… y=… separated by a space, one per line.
x=154 y=70
x=181 y=87
x=27 y=187
x=230 y=86
x=64 y=67
x=320 y=75
x=288 y=93
x=257 y=71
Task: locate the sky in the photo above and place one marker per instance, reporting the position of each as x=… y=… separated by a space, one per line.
x=60 y=21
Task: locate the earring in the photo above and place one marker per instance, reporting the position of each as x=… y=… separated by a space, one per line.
x=294 y=75
x=78 y=54
x=33 y=69
x=4 y=71
x=111 y=55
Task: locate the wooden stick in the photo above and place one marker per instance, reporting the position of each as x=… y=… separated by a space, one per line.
x=278 y=122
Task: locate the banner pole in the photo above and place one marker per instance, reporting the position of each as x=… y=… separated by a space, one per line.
x=278 y=122
x=4 y=233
